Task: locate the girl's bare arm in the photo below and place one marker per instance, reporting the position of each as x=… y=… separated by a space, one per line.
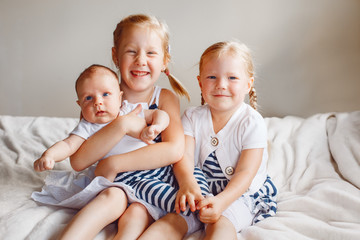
x=99 y=144
x=167 y=152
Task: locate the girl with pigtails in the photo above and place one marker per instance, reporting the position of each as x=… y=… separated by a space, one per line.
x=140 y=186
x=226 y=138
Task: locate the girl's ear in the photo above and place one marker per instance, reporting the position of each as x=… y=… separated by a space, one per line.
x=120 y=96
x=114 y=57
x=165 y=64
x=78 y=102
x=250 y=83
x=198 y=78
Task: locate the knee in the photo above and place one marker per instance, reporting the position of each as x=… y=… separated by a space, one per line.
x=137 y=210
x=112 y=195
x=175 y=219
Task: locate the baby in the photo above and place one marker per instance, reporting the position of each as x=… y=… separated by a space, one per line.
x=99 y=98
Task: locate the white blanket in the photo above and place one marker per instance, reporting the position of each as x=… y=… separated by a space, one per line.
x=314 y=162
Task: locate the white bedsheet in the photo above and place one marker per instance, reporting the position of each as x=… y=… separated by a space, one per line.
x=315 y=163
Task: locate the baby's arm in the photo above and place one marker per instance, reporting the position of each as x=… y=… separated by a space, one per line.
x=189 y=191
x=164 y=153
x=159 y=121
x=211 y=208
x=100 y=143
x=58 y=152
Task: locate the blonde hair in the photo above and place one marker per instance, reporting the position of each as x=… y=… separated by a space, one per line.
x=162 y=30
x=236 y=49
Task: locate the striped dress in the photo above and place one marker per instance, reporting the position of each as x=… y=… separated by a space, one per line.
x=264 y=200
x=158 y=187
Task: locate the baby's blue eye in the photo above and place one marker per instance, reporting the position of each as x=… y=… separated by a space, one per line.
x=88 y=98
x=211 y=77
x=232 y=78
x=106 y=94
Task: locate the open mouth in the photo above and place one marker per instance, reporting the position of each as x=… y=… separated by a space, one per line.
x=139 y=73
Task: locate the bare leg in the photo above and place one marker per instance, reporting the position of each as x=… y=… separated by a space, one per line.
x=133 y=222
x=222 y=229
x=101 y=211
x=171 y=224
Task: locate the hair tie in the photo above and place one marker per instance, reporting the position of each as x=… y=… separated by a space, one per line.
x=169 y=49
x=167 y=72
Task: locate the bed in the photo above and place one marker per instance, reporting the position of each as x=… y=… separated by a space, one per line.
x=314 y=161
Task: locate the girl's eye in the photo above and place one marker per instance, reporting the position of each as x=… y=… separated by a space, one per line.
x=211 y=77
x=151 y=53
x=106 y=94
x=232 y=78
x=88 y=98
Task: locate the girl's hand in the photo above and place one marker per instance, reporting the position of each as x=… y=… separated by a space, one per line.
x=132 y=123
x=188 y=193
x=44 y=163
x=211 y=209
x=106 y=168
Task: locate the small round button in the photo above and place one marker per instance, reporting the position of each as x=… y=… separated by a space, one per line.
x=214 y=141
x=229 y=170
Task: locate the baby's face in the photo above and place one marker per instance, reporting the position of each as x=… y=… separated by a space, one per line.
x=99 y=97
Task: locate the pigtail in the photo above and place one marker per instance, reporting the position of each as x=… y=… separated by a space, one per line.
x=253 y=98
x=177 y=85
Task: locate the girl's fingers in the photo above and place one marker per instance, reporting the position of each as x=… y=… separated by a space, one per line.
x=177 y=207
x=191 y=202
x=179 y=203
x=137 y=110
x=183 y=203
x=202 y=203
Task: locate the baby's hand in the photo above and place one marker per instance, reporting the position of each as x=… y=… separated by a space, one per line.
x=44 y=163
x=149 y=133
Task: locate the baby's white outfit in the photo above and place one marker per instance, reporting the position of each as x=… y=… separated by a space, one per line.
x=156 y=189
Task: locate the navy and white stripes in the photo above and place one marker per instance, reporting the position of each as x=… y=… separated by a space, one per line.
x=264 y=199
x=215 y=177
x=159 y=187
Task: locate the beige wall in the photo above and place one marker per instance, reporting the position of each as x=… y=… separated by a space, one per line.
x=307 y=53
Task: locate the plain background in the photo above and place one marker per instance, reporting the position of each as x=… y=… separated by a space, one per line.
x=307 y=53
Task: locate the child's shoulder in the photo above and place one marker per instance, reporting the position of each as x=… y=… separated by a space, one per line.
x=196 y=111
x=250 y=118
x=250 y=113
x=167 y=95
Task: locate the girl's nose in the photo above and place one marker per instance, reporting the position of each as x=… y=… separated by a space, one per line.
x=221 y=83
x=141 y=59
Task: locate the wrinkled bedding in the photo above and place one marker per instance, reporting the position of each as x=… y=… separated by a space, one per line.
x=315 y=163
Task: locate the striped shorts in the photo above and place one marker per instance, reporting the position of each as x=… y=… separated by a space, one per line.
x=158 y=187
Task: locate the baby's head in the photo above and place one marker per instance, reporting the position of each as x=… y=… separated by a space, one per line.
x=237 y=51
x=99 y=95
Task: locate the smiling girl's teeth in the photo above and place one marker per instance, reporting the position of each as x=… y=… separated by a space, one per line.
x=139 y=73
